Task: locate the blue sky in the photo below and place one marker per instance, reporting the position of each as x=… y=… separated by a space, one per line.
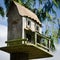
x=3 y=38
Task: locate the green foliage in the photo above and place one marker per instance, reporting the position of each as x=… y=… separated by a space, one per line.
x=59 y=28
x=53 y=11
x=52 y=46
x=59 y=33
x=2 y=11
x=56 y=3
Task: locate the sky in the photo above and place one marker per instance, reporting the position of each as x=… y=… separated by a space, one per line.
x=3 y=38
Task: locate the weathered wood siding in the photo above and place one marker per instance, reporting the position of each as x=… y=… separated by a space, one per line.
x=14 y=23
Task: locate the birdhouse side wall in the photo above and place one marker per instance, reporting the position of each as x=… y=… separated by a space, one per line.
x=14 y=23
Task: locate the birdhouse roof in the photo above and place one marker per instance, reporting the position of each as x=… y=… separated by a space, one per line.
x=23 y=11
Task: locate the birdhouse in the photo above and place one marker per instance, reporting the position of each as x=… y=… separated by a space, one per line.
x=25 y=34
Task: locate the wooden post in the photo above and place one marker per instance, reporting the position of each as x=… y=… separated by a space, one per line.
x=18 y=56
x=48 y=44
x=35 y=37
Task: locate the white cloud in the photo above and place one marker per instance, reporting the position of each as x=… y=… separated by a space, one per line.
x=3 y=20
x=4 y=56
x=57 y=53
x=3 y=35
x=3 y=38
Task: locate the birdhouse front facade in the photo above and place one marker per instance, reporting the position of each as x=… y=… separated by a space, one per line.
x=25 y=33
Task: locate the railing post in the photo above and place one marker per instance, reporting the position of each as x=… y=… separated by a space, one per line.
x=35 y=37
x=48 y=44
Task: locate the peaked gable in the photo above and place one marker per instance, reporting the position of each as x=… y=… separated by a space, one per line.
x=23 y=11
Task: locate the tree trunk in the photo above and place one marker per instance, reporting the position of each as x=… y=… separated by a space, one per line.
x=18 y=56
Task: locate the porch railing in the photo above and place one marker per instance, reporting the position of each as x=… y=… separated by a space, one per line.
x=19 y=41
x=15 y=42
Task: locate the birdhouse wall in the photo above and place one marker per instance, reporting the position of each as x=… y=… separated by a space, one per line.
x=14 y=23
